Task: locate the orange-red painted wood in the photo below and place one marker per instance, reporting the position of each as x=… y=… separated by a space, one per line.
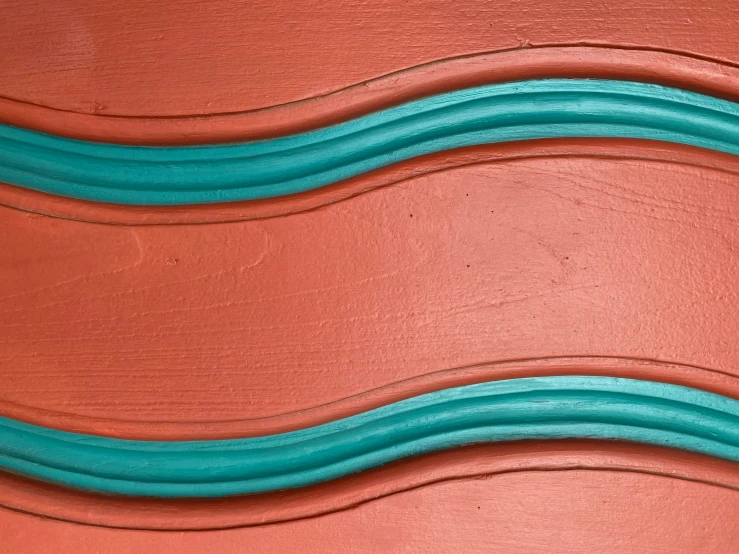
x=146 y=58
x=605 y=253
x=570 y=512
x=486 y=263
x=684 y=70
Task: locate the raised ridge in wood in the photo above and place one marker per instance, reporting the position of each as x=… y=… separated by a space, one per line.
x=562 y=407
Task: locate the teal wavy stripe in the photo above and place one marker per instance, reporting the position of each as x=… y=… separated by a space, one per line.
x=552 y=108
x=517 y=409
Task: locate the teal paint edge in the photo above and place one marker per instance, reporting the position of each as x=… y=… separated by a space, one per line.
x=563 y=407
x=516 y=111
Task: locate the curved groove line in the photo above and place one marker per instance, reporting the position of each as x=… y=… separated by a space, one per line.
x=556 y=47
x=31 y=201
x=664 y=66
x=530 y=408
x=717 y=381
x=469 y=462
x=526 y=110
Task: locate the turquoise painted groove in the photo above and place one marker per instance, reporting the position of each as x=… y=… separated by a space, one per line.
x=552 y=108
x=517 y=409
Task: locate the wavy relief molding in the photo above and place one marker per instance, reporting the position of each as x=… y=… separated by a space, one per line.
x=32 y=201
x=561 y=407
x=468 y=462
x=30 y=166
x=499 y=113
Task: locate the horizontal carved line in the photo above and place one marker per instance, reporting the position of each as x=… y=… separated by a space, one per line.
x=517 y=409
x=540 y=109
x=469 y=462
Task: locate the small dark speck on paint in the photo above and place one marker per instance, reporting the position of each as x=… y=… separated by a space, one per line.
x=468 y=265
x=172 y=261
x=411 y=215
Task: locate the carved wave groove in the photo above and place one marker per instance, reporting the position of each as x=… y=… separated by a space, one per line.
x=490 y=107
x=562 y=407
x=267 y=162
x=498 y=113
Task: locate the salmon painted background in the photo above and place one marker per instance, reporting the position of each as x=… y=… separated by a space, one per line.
x=567 y=258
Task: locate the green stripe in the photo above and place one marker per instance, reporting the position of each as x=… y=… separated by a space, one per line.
x=532 y=408
x=553 y=108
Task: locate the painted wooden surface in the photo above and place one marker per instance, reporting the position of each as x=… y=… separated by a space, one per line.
x=144 y=58
x=499 y=113
x=376 y=290
x=609 y=257
x=569 y=512
x=371 y=486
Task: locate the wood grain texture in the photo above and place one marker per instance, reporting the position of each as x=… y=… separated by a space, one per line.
x=491 y=262
x=566 y=512
x=205 y=330
x=142 y=57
